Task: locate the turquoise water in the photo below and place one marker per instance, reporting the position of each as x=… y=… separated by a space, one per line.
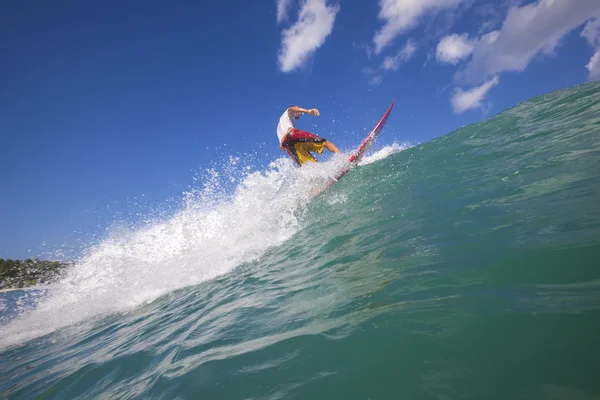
x=463 y=268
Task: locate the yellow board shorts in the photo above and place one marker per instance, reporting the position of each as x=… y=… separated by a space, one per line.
x=298 y=144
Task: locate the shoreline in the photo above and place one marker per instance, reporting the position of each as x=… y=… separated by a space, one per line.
x=13 y=289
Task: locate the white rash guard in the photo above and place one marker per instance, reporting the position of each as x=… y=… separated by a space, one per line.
x=285 y=122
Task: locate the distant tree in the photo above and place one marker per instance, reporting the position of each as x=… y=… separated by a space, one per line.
x=18 y=274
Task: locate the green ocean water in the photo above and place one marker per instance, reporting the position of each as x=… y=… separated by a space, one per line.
x=467 y=267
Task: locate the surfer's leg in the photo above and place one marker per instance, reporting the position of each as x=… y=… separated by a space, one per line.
x=303 y=150
x=289 y=146
x=306 y=142
x=331 y=147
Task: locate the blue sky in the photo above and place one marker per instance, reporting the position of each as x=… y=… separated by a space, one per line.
x=112 y=107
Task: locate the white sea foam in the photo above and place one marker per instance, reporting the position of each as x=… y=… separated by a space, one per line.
x=385 y=152
x=233 y=218
x=215 y=230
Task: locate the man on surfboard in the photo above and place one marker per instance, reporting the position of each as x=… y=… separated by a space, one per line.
x=298 y=144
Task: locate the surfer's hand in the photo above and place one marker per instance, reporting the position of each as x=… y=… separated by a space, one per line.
x=314 y=111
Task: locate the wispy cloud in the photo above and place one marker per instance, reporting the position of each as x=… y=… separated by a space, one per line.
x=402 y=15
x=302 y=39
x=528 y=31
x=591 y=32
x=372 y=76
x=593 y=66
x=376 y=80
x=491 y=16
x=392 y=63
x=454 y=48
x=283 y=7
x=471 y=99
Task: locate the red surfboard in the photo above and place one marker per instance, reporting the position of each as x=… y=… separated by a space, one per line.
x=362 y=149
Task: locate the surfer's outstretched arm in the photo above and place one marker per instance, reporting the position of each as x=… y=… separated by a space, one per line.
x=296 y=109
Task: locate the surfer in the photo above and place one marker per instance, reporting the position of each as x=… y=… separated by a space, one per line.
x=298 y=144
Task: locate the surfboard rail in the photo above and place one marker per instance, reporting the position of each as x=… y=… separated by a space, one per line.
x=363 y=147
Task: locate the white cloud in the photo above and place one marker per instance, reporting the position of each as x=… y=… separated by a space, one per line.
x=591 y=32
x=372 y=76
x=453 y=48
x=393 y=63
x=471 y=99
x=490 y=16
x=531 y=30
x=283 y=7
x=593 y=66
x=301 y=40
x=401 y=15
x=376 y=80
